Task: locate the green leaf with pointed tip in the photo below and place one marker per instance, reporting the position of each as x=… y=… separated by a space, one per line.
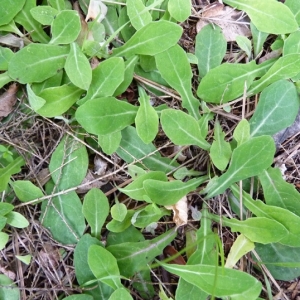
x=242 y=132
x=174 y=123
x=259 y=229
x=24 y=258
x=37 y=62
x=95 y=209
x=137 y=13
x=8 y=289
x=12 y=168
x=35 y=101
x=178 y=76
x=104 y=266
x=105 y=115
x=66 y=27
x=278 y=192
x=180 y=10
x=210 y=48
x=133 y=257
x=170 y=192
x=153 y=38
x=132 y=148
x=220 y=150
x=227 y=82
x=15 y=219
x=69 y=163
x=247 y=160
x=218 y=281
x=283 y=216
x=5 y=208
x=259 y=39
x=9 y=10
x=292 y=44
x=146 y=120
x=245 y=44
x=26 y=191
x=276 y=110
x=2 y=222
x=58 y=100
x=268 y=15
x=109 y=143
x=106 y=78
x=78 y=68
x=120 y=293
x=284 y=68
x=44 y=14
x=3 y=241
x=135 y=190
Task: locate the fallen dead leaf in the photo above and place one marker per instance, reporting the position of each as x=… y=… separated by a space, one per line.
x=170 y=251
x=7 y=100
x=100 y=165
x=90 y=177
x=231 y=21
x=97 y=10
x=180 y=212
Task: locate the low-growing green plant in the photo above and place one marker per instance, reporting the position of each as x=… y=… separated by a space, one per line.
x=139 y=39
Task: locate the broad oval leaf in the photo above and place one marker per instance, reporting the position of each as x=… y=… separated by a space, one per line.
x=37 y=62
x=105 y=115
x=268 y=15
x=44 y=14
x=5 y=208
x=66 y=27
x=26 y=191
x=9 y=9
x=276 y=110
x=153 y=38
x=180 y=10
x=15 y=219
x=109 y=143
x=174 y=123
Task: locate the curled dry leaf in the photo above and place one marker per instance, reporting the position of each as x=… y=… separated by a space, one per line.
x=97 y=10
x=170 y=251
x=8 y=100
x=180 y=212
x=231 y=21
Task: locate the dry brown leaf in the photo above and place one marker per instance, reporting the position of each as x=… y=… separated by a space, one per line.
x=8 y=100
x=90 y=177
x=171 y=251
x=180 y=212
x=97 y=10
x=231 y=21
x=100 y=165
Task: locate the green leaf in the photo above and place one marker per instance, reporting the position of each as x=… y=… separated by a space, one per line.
x=242 y=132
x=78 y=297
x=137 y=13
x=220 y=150
x=276 y=110
x=174 y=123
x=106 y=78
x=226 y=82
x=69 y=163
x=259 y=229
x=65 y=27
x=218 y=281
x=132 y=257
x=4 y=79
x=105 y=115
x=8 y=290
x=210 y=48
x=245 y=44
x=15 y=219
x=37 y=62
x=26 y=191
x=132 y=148
x=118 y=211
x=62 y=216
x=9 y=10
x=292 y=44
x=44 y=14
x=127 y=30
x=109 y=143
x=78 y=68
x=135 y=190
x=178 y=76
x=2 y=222
x=268 y=15
x=117 y=226
x=153 y=38
x=57 y=4
x=131 y=234
x=293 y=5
x=278 y=192
x=284 y=68
x=12 y=168
x=276 y=256
x=58 y=100
x=24 y=258
x=5 y=56
x=83 y=273
x=35 y=101
x=170 y=192
x=104 y=266
x=180 y=10
x=283 y=216
x=146 y=119
x=33 y=27
x=95 y=209
x=259 y=39
x=120 y=293
x=3 y=241
x=5 y=208
x=248 y=159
